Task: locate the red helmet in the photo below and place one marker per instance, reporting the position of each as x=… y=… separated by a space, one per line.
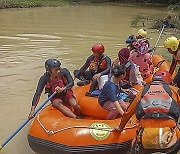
x=98 y=48
x=162 y=75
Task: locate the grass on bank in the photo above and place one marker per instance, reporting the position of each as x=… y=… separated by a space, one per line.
x=172 y=5
x=35 y=3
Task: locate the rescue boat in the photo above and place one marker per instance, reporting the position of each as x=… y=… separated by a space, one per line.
x=51 y=132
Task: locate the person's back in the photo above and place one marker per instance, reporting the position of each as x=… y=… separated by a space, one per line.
x=108 y=98
x=158 y=113
x=157 y=108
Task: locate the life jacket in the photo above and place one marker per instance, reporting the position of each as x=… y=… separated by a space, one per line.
x=157 y=102
x=52 y=84
x=98 y=65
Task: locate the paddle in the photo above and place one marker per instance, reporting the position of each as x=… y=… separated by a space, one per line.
x=155 y=46
x=26 y=121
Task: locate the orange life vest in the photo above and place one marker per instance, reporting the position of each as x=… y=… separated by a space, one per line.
x=52 y=84
x=157 y=102
x=98 y=64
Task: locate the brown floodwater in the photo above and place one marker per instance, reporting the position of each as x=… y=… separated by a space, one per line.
x=30 y=36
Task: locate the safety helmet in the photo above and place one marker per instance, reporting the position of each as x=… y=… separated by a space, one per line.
x=52 y=63
x=141 y=46
x=162 y=75
x=171 y=43
x=98 y=48
x=142 y=32
x=130 y=39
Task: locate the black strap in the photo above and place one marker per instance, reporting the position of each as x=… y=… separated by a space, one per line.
x=146 y=88
x=158 y=115
x=178 y=92
x=167 y=89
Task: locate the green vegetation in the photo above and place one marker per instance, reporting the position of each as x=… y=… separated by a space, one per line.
x=172 y=4
x=172 y=23
x=138 y=19
x=33 y=3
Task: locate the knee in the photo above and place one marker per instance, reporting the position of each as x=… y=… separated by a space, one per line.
x=57 y=103
x=73 y=102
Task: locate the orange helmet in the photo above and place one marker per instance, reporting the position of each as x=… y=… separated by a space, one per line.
x=98 y=48
x=162 y=75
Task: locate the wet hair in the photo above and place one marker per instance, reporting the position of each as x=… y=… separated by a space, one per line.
x=118 y=70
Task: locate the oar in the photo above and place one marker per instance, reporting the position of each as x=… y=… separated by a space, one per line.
x=158 y=38
x=25 y=122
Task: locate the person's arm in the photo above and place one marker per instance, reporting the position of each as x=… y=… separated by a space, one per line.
x=108 y=66
x=41 y=84
x=173 y=66
x=70 y=83
x=129 y=113
x=85 y=66
x=118 y=107
x=176 y=94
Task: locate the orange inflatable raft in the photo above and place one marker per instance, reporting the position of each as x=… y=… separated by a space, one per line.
x=53 y=133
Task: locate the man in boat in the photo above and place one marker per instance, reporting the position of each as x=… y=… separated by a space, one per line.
x=173 y=46
x=60 y=80
x=98 y=63
x=157 y=108
x=108 y=97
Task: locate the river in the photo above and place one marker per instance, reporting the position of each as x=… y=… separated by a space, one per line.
x=30 y=36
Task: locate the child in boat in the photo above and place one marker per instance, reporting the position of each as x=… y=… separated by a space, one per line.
x=173 y=46
x=142 y=58
x=141 y=34
x=98 y=63
x=157 y=108
x=108 y=97
x=56 y=79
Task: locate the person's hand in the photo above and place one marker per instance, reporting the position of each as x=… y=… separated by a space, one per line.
x=97 y=76
x=76 y=75
x=60 y=89
x=31 y=114
x=116 y=62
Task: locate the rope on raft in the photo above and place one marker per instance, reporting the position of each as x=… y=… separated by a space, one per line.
x=52 y=132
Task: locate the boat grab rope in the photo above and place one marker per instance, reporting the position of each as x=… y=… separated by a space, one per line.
x=52 y=132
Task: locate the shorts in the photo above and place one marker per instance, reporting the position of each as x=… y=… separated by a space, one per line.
x=65 y=97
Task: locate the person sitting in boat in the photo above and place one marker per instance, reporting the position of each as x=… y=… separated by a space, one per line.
x=60 y=80
x=173 y=46
x=141 y=34
x=157 y=109
x=98 y=63
x=142 y=58
x=133 y=75
x=109 y=96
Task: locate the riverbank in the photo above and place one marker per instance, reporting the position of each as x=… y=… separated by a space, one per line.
x=4 y=4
